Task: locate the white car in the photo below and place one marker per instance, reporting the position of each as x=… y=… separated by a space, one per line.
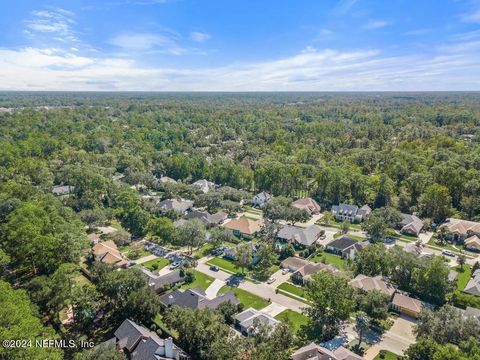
x=271 y=280
x=285 y=271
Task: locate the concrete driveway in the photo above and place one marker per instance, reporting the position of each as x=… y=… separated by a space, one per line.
x=279 y=278
x=274 y=309
x=212 y=290
x=397 y=339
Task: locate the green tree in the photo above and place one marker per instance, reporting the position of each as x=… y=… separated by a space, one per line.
x=142 y=305
x=345 y=226
x=375 y=304
x=191 y=234
x=19 y=320
x=103 y=352
x=244 y=256
x=362 y=324
x=332 y=302
x=86 y=303
x=435 y=203
x=431 y=281
x=373 y=260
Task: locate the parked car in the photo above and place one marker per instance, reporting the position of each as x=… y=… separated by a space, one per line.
x=271 y=280
x=285 y=271
x=448 y=253
x=389 y=240
x=216 y=252
x=214 y=268
x=131 y=263
x=175 y=265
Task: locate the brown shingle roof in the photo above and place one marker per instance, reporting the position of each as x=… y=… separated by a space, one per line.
x=245 y=225
x=462 y=227
x=367 y=283
x=407 y=302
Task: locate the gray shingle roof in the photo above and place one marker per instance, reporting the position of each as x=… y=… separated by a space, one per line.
x=128 y=334
x=158 y=282
x=473 y=285
x=196 y=299
x=303 y=236
x=206 y=217
x=174 y=204
x=342 y=243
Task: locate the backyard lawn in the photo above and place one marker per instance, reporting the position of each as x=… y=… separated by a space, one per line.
x=156 y=264
x=247 y=299
x=332 y=259
x=295 y=318
x=225 y=264
x=463 y=276
x=201 y=280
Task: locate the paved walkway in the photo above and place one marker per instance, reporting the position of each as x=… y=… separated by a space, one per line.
x=212 y=290
x=145 y=259
x=274 y=309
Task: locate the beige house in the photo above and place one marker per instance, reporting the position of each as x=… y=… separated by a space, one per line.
x=459 y=230
x=407 y=305
x=304 y=274
x=366 y=283
x=244 y=227
x=107 y=252
x=473 y=243
x=307 y=204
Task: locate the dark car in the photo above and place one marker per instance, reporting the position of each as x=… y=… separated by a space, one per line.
x=214 y=268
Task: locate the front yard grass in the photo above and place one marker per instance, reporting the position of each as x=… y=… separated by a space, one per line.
x=386 y=355
x=224 y=264
x=246 y=299
x=131 y=252
x=156 y=264
x=463 y=276
x=332 y=259
x=296 y=319
x=202 y=281
x=292 y=289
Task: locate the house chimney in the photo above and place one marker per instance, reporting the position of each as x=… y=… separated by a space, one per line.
x=171 y=300
x=169 y=348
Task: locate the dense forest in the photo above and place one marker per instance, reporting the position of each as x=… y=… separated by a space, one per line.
x=416 y=152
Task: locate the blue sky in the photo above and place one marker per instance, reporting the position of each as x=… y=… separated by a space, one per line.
x=240 y=45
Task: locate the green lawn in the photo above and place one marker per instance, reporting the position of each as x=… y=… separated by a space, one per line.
x=387 y=355
x=247 y=299
x=295 y=290
x=332 y=259
x=338 y=225
x=224 y=264
x=463 y=276
x=447 y=246
x=295 y=318
x=156 y=264
x=201 y=280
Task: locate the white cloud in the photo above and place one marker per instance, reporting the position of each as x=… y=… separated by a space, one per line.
x=199 y=36
x=166 y=42
x=56 y=23
x=452 y=66
x=473 y=17
x=344 y=6
x=375 y=24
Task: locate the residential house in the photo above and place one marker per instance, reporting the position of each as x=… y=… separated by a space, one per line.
x=293 y=263
x=230 y=253
x=411 y=225
x=167 y=180
x=246 y=321
x=416 y=249
x=207 y=218
x=196 y=299
x=302 y=237
x=204 y=185
x=108 y=253
x=350 y=212
x=62 y=190
x=314 y=352
x=473 y=285
x=244 y=227
x=346 y=247
x=160 y=283
x=261 y=198
x=304 y=274
x=472 y=243
x=180 y=206
x=139 y=343
x=93 y=238
x=406 y=305
x=459 y=230
x=367 y=283
x=307 y=204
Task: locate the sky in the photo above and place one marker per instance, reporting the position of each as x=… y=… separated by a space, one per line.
x=240 y=45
